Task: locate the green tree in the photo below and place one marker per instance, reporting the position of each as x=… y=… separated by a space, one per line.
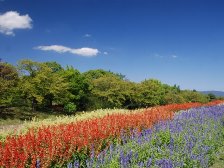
x=194 y=96
x=150 y=93
x=55 y=67
x=40 y=84
x=109 y=91
x=95 y=74
x=172 y=95
x=8 y=83
x=212 y=97
x=79 y=87
x=173 y=98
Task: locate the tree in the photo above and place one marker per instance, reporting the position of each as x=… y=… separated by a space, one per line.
x=95 y=74
x=194 y=96
x=55 y=67
x=173 y=98
x=172 y=95
x=212 y=96
x=78 y=87
x=40 y=84
x=43 y=84
x=150 y=93
x=109 y=91
x=8 y=82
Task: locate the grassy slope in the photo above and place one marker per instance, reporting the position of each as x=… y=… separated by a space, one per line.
x=19 y=115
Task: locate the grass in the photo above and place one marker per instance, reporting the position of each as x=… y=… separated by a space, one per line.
x=17 y=116
x=219 y=160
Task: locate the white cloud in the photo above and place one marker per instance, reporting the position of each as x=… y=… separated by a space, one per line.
x=174 y=56
x=87 y=35
x=56 y=48
x=156 y=55
x=12 y=20
x=105 y=53
x=85 y=51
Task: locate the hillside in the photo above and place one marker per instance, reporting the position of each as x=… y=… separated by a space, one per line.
x=217 y=93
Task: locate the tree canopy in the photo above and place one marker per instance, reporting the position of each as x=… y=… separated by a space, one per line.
x=8 y=81
x=47 y=84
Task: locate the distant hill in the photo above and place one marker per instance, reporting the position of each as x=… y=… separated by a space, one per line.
x=217 y=93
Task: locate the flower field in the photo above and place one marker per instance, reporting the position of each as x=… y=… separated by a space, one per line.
x=189 y=140
x=155 y=129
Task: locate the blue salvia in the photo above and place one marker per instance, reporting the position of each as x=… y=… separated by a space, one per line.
x=188 y=133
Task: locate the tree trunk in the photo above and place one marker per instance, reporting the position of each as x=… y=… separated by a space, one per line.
x=34 y=104
x=50 y=102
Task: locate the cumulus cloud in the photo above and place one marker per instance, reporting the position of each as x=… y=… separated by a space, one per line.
x=105 y=53
x=85 y=51
x=12 y=20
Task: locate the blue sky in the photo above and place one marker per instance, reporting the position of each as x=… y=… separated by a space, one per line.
x=176 y=41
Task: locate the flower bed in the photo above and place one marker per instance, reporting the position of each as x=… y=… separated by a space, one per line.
x=55 y=145
x=189 y=140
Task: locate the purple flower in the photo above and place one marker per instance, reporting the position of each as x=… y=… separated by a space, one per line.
x=38 y=165
x=140 y=164
x=149 y=162
x=89 y=163
x=164 y=163
x=76 y=164
x=69 y=165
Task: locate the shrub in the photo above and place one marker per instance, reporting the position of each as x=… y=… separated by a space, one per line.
x=70 y=107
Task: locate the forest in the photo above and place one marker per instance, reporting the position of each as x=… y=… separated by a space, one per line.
x=47 y=86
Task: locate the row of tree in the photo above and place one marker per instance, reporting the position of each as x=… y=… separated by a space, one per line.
x=47 y=85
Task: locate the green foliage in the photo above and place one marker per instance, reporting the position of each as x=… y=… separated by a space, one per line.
x=41 y=85
x=193 y=96
x=78 y=86
x=110 y=91
x=219 y=158
x=8 y=83
x=212 y=97
x=39 y=82
x=95 y=74
x=55 y=67
x=150 y=93
x=172 y=95
x=70 y=107
x=172 y=98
